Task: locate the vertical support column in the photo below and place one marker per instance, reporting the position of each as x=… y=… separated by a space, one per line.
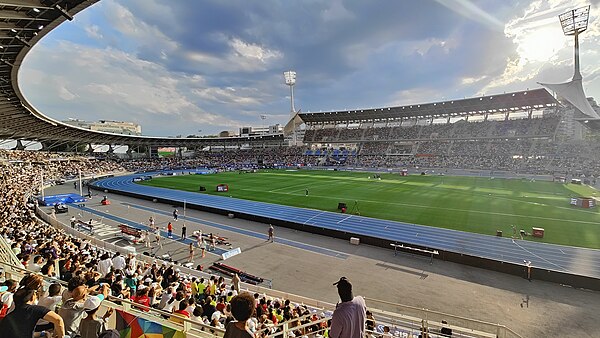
x=19 y=146
x=577 y=72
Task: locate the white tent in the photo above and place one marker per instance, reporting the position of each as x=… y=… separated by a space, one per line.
x=572 y=91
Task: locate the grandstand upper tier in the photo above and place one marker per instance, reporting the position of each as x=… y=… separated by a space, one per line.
x=417 y=121
x=22 y=24
x=493 y=104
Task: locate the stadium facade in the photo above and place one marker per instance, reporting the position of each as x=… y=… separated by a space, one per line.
x=427 y=130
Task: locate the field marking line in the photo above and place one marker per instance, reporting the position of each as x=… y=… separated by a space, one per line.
x=439 y=208
x=498 y=193
x=540 y=257
x=502 y=196
x=315 y=216
x=340 y=221
x=294 y=187
x=288 y=187
x=403 y=182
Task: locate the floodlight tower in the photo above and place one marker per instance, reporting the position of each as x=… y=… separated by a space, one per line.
x=290 y=80
x=575 y=22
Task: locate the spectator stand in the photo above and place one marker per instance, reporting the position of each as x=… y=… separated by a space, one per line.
x=190 y=329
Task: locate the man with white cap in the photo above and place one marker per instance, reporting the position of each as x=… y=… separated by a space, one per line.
x=73 y=309
x=91 y=326
x=348 y=320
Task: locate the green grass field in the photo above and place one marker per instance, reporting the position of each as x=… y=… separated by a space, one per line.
x=473 y=204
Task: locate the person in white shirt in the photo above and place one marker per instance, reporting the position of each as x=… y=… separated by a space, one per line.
x=132 y=261
x=38 y=262
x=197 y=315
x=104 y=265
x=157 y=237
x=190 y=309
x=348 y=320
x=118 y=262
x=165 y=298
x=173 y=303
x=216 y=315
x=49 y=302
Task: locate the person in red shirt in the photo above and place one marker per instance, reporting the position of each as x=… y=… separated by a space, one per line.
x=141 y=297
x=170 y=229
x=221 y=304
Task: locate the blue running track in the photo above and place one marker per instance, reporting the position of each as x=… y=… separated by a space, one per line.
x=564 y=259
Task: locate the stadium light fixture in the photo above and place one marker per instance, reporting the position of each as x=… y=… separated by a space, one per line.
x=290 y=80
x=575 y=22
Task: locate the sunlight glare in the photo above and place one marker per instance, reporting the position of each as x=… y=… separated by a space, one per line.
x=540 y=44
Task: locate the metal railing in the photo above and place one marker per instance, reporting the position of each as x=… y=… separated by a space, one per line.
x=6 y=253
x=432 y=320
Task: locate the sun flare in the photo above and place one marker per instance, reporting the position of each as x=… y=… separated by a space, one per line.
x=539 y=44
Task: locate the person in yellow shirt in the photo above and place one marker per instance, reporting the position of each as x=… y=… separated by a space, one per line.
x=194 y=288
x=201 y=287
x=213 y=289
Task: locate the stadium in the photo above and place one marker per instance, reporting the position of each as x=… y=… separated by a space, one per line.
x=470 y=217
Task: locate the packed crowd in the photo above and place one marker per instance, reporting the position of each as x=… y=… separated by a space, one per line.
x=528 y=155
x=520 y=146
x=232 y=159
x=542 y=126
x=39 y=247
x=92 y=274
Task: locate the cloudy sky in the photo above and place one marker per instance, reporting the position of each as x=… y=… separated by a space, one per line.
x=177 y=67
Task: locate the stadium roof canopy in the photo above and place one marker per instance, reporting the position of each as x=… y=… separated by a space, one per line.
x=508 y=102
x=22 y=24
